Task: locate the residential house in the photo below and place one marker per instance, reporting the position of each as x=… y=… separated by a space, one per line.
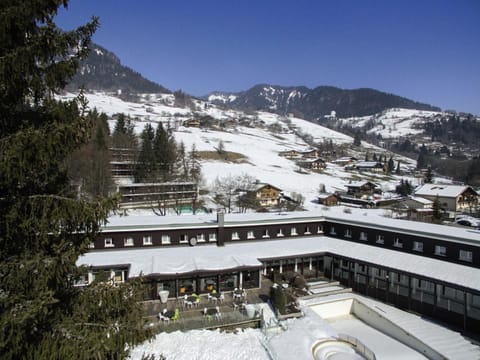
x=453 y=198
x=289 y=154
x=345 y=160
x=191 y=123
x=419 y=209
x=359 y=188
x=373 y=166
x=267 y=195
x=328 y=199
x=309 y=154
x=315 y=164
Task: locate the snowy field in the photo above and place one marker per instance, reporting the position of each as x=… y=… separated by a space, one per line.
x=260 y=146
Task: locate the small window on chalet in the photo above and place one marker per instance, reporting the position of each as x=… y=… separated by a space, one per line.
x=280 y=233
x=363 y=236
x=332 y=231
x=91 y=245
x=320 y=229
x=128 y=241
x=440 y=250
x=307 y=230
x=250 y=234
x=380 y=239
x=109 y=242
x=212 y=237
x=348 y=233
x=184 y=239
x=398 y=243
x=293 y=231
x=418 y=246
x=147 y=240
x=235 y=235
x=465 y=255
x=265 y=234
x=201 y=237
x=166 y=240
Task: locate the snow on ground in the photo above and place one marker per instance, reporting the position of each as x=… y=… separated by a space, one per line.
x=393 y=123
x=204 y=345
x=260 y=146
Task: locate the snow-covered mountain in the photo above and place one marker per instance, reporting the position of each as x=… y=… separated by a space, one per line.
x=258 y=136
x=102 y=70
x=394 y=123
x=313 y=104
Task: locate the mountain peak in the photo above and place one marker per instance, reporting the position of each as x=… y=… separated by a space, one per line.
x=317 y=102
x=102 y=70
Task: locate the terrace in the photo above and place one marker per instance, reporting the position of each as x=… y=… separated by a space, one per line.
x=235 y=311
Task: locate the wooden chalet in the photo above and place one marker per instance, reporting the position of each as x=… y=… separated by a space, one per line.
x=267 y=195
x=328 y=199
x=373 y=166
x=361 y=188
x=312 y=164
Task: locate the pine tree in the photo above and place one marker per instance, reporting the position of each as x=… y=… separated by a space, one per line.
x=194 y=164
x=123 y=136
x=390 y=165
x=44 y=226
x=428 y=176
x=164 y=148
x=146 y=162
x=89 y=166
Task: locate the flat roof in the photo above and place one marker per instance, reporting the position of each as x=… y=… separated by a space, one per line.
x=357 y=217
x=185 y=259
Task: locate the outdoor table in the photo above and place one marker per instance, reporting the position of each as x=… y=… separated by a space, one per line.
x=238 y=293
x=215 y=295
x=211 y=311
x=192 y=298
x=169 y=314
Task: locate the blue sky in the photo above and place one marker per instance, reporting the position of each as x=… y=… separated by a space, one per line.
x=426 y=50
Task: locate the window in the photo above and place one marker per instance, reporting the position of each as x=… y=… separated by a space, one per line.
x=440 y=250
x=293 y=231
x=332 y=231
x=147 y=240
x=398 y=243
x=348 y=233
x=380 y=239
x=201 y=237
x=166 y=239
x=235 y=235
x=265 y=234
x=183 y=239
x=91 y=245
x=363 y=236
x=418 y=246
x=320 y=229
x=212 y=237
x=280 y=233
x=307 y=230
x=465 y=255
x=128 y=241
x=109 y=242
x=250 y=234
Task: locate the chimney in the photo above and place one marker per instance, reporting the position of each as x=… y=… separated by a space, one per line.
x=220 y=229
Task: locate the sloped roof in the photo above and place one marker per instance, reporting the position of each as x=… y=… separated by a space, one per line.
x=449 y=191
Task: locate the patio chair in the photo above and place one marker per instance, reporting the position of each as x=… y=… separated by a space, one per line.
x=176 y=315
x=218 y=314
x=222 y=297
x=162 y=317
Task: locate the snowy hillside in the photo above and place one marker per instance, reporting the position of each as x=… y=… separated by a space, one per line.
x=256 y=141
x=394 y=123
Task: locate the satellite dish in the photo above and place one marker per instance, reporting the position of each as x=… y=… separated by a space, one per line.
x=193 y=241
